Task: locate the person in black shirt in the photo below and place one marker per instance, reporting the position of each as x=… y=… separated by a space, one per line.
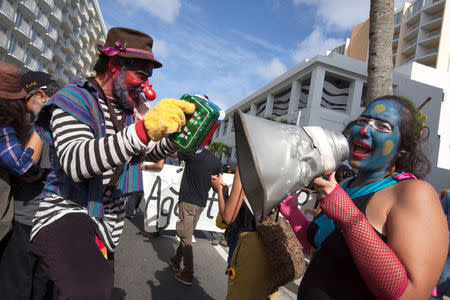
x=194 y=188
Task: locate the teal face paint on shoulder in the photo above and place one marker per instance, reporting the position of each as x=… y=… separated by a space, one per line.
x=375 y=138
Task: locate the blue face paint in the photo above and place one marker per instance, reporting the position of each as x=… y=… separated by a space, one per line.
x=374 y=139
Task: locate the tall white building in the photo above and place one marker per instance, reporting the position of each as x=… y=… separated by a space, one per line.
x=54 y=36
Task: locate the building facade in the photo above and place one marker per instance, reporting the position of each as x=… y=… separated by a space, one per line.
x=329 y=91
x=421 y=34
x=55 y=36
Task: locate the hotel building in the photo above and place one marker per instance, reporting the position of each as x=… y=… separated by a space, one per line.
x=421 y=34
x=55 y=36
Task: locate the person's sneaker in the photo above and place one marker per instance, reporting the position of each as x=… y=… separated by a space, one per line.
x=174 y=265
x=185 y=278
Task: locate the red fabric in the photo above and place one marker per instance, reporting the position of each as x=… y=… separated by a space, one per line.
x=378 y=265
x=142 y=132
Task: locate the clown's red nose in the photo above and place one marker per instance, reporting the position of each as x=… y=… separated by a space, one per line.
x=148 y=91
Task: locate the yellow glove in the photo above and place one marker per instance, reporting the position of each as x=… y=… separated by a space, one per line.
x=166 y=117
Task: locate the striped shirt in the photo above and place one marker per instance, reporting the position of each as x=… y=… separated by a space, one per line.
x=82 y=156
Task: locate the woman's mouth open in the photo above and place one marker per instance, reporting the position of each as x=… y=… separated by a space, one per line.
x=360 y=149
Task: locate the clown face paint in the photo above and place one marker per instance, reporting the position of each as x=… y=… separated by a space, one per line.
x=374 y=139
x=127 y=87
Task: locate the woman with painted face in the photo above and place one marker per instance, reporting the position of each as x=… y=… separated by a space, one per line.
x=390 y=239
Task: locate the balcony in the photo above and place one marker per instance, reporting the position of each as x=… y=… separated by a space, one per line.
x=31 y=64
x=41 y=23
x=23 y=31
x=51 y=68
x=433 y=50
x=76 y=20
x=428 y=55
x=78 y=62
x=59 y=56
x=68 y=50
x=432 y=6
x=84 y=16
x=91 y=12
x=87 y=59
x=84 y=38
x=56 y=14
x=411 y=58
x=67 y=25
x=70 y=71
x=62 y=78
x=47 y=55
x=36 y=44
x=46 y=5
x=51 y=36
x=410 y=47
x=412 y=32
x=92 y=35
x=27 y=7
x=430 y=38
x=7 y=13
x=17 y=54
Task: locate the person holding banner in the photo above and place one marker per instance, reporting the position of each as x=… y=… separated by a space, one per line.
x=249 y=274
x=195 y=184
x=98 y=147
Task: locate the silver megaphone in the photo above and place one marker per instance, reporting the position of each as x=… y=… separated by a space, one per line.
x=276 y=160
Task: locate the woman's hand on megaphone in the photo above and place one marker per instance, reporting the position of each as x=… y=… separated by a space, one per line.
x=323 y=186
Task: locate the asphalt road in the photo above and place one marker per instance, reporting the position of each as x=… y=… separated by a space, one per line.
x=142 y=271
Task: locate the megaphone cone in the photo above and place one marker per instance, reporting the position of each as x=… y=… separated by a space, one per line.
x=276 y=160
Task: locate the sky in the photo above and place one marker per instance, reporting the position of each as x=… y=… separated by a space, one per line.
x=229 y=49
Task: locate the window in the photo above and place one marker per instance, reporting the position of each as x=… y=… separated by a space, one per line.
x=33 y=35
x=27 y=57
x=12 y=44
x=398 y=18
x=19 y=20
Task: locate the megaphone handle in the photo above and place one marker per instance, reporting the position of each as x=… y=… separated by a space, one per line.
x=317 y=203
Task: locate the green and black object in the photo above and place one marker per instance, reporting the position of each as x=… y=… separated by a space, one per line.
x=200 y=125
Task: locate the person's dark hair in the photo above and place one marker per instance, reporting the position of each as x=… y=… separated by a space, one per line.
x=13 y=113
x=101 y=65
x=51 y=89
x=413 y=133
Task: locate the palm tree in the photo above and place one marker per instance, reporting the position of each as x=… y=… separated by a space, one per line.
x=379 y=67
x=220 y=148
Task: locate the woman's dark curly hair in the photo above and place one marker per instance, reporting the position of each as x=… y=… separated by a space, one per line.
x=13 y=113
x=413 y=132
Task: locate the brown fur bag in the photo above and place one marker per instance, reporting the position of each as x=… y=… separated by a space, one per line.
x=283 y=249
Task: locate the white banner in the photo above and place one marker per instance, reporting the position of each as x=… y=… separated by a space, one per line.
x=161 y=198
